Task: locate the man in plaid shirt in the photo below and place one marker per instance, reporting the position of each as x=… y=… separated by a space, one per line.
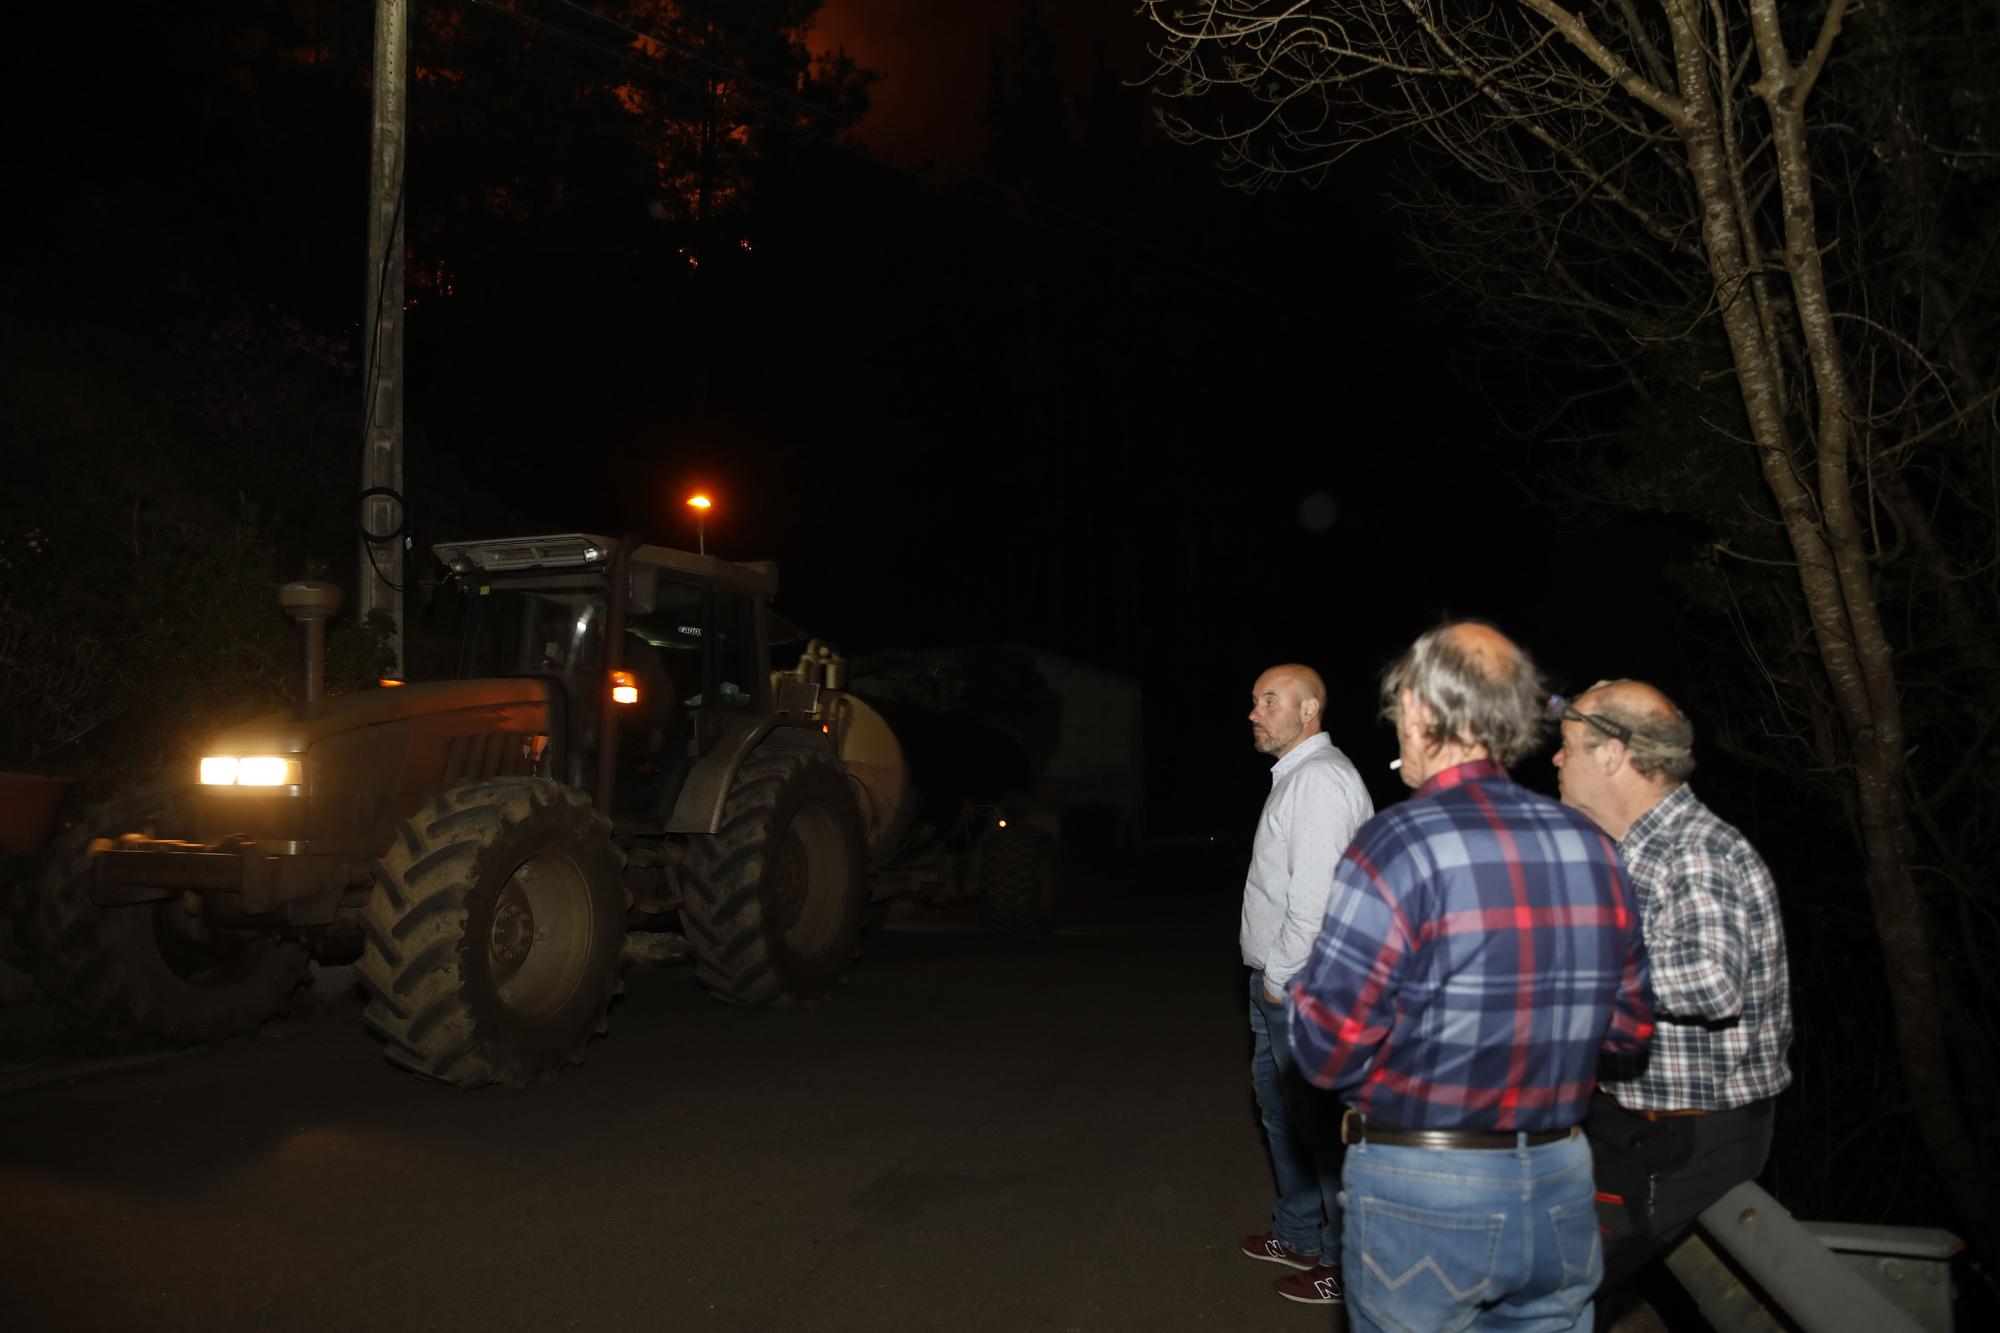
x=1481 y=951
x=1672 y=1135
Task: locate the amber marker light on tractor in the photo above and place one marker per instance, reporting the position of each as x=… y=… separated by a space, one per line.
x=624 y=689
x=257 y=770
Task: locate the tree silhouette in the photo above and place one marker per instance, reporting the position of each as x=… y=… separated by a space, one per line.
x=1675 y=183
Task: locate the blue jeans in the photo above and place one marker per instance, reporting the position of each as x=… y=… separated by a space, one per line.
x=1303 y=1126
x=1442 y=1239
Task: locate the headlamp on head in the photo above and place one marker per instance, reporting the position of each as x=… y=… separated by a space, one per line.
x=1560 y=710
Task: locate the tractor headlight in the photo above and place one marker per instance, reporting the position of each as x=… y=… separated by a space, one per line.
x=256 y=770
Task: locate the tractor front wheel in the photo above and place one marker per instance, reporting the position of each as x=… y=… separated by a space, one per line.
x=494 y=933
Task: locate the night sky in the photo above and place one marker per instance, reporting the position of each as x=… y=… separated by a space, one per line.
x=974 y=371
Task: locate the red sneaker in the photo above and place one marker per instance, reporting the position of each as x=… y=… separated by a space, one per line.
x=1318 y=1285
x=1273 y=1250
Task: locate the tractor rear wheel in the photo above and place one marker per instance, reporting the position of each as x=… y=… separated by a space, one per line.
x=1019 y=883
x=493 y=936
x=773 y=900
x=146 y=974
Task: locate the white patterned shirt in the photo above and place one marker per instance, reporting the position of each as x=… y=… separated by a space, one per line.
x=1722 y=995
x=1317 y=801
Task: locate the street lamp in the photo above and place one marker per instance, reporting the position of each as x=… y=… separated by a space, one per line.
x=701 y=504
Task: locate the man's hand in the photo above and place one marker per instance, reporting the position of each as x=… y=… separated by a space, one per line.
x=1270 y=998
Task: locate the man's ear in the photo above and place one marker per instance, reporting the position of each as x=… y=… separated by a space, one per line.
x=1412 y=718
x=1308 y=708
x=1615 y=754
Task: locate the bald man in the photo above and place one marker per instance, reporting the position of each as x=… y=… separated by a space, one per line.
x=1317 y=801
x=1673 y=1135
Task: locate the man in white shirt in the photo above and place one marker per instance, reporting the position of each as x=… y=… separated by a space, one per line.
x=1317 y=802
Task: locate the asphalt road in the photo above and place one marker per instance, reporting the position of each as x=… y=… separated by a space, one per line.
x=973 y=1135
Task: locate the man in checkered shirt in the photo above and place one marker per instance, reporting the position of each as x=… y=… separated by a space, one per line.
x=1672 y=1134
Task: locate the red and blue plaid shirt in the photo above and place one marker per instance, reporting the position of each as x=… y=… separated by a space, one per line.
x=1481 y=948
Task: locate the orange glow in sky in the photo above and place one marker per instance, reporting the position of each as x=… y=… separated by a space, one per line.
x=933 y=61
x=933 y=74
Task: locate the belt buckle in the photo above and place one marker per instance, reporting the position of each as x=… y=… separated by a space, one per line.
x=1353 y=1127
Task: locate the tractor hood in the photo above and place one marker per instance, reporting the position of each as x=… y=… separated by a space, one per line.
x=487 y=700
x=365 y=760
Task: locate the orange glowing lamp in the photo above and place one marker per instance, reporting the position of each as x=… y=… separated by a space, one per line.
x=624 y=688
x=701 y=504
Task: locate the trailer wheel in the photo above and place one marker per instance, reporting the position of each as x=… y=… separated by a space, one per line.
x=493 y=936
x=774 y=899
x=146 y=974
x=1018 y=883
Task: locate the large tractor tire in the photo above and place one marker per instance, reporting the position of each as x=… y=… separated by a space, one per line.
x=493 y=936
x=1019 y=883
x=146 y=974
x=773 y=901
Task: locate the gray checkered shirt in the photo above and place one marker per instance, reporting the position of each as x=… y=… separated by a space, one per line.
x=1710 y=914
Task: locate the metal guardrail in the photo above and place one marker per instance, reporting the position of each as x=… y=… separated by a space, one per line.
x=1826 y=1277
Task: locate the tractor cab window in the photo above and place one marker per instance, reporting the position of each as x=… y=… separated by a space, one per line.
x=538 y=627
x=666 y=649
x=738 y=660
x=565 y=636
x=667 y=642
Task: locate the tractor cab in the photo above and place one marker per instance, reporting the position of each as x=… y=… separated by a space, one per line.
x=678 y=655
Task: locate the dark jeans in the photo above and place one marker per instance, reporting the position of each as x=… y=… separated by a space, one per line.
x=1303 y=1125
x=1654 y=1177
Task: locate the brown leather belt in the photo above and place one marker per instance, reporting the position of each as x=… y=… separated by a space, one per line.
x=1355 y=1129
x=1669 y=1115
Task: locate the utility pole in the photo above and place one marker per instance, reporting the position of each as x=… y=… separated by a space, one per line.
x=382 y=570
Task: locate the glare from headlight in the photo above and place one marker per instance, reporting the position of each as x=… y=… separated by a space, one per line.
x=262 y=770
x=267 y=770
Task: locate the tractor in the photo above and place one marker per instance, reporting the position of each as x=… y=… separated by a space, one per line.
x=615 y=752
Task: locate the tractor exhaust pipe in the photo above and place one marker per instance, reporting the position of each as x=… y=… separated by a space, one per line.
x=311 y=605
